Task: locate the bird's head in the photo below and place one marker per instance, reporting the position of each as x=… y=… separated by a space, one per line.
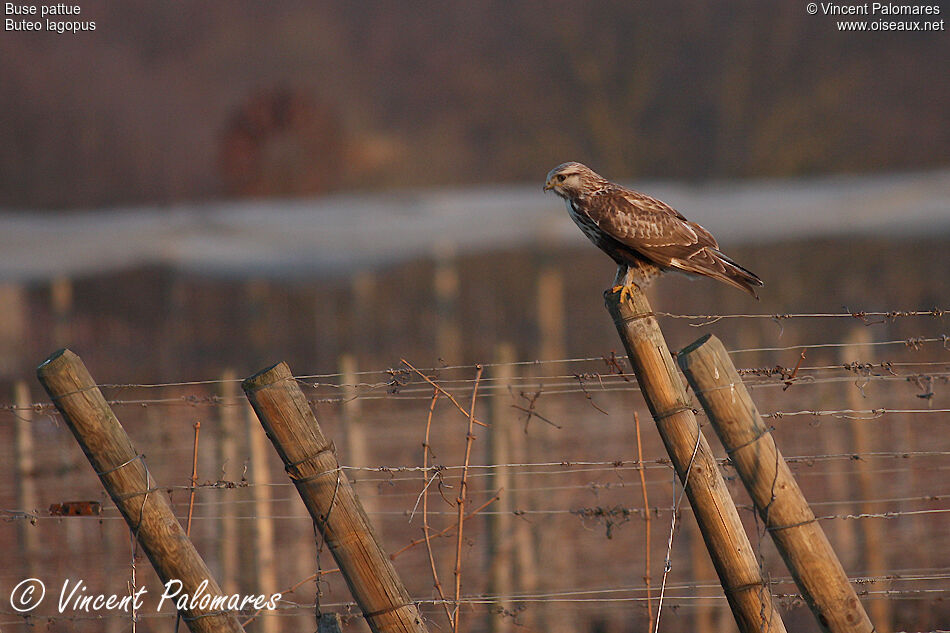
x=570 y=180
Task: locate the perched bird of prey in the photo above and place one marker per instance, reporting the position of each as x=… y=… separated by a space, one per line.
x=644 y=236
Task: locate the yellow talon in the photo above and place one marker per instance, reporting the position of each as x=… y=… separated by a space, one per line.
x=626 y=292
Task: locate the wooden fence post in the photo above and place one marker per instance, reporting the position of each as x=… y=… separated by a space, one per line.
x=361 y=335
x=355 y=445
x=310 y=460
x=556 y=563
x=869 y=484
x=125 y=476
x=552 y=329
x=446 y=284
x=263 y=525
x=14 y=326
x=500 y=537
x=525 y=575
x=836 y=440
x=784 y=510
x=61 y=302
x=732 y=554
x=25 y=478
x=704 y=615
x=229 y=541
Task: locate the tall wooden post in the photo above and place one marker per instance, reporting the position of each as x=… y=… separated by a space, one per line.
x=124 y=475
x=525 y=554
x=555 y=562
x=552 y=328
x=310 y=460
x=61 y=305
x=362 y=331
x=61 y=302
x=228 y=540
x=446 y=285
x=704 y=615
x=780 y=502
x=354 y=429
x=263 y=525
x=500 y=538
x=836 y=440
x=728 y=545
x=25 y=477
x=14 y=321
x=875 y=550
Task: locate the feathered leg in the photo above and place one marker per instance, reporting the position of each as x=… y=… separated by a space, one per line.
x=623 y=282
x=634 y=274
x=620 y=279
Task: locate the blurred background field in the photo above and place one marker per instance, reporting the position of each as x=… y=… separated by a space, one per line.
x=193 y=192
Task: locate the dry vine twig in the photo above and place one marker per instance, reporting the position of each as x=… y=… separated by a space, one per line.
x=646 y=518
x=425 y=507
x=460 y=501
x=194 y=477
x=291 y=589
x=443 y=391
x=794 y=374
x=191 y=499
x=445 y=531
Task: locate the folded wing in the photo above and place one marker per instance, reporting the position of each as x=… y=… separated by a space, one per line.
x=662 y=235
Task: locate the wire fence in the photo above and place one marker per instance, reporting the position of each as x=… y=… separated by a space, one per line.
x=862 y=422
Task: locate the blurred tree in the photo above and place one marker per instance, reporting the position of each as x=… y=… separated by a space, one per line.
x=165 y=103
x=281 y=142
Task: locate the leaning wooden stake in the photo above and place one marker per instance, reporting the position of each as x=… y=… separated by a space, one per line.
x=124 y=475
x=310 y=460
x=695 y=464
x=787 y=516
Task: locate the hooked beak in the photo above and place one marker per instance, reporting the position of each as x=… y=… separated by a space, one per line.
x=548 y=186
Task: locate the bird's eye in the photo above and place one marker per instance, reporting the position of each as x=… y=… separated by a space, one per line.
x=560 y=177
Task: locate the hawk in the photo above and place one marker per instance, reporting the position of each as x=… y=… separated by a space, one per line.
x=645 y=236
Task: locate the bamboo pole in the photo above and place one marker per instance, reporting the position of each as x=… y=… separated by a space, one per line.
x=310 y=460
x=695 y=464
x=124 y=475
x=769 y=481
